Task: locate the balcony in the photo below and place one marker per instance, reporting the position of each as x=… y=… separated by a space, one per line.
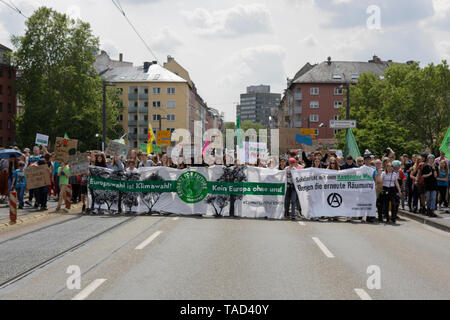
x=132 y=96
x=143 y=110
x=143 y=96
x=143 y=123
x=297 y=109
x=132 y=136
x=132 y=123
x=143 y=137
x=298 y=96
x=132 y=109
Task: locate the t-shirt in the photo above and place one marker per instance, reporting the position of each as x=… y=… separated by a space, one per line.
x=289 y=174
x=84 y=180
x=430 y=183
x=441 y=183
x=19 y=175
x=389 y=179
x=34 y=159
x=135 y=170
x=64 y=178
x=148 y=163
x=56 y=166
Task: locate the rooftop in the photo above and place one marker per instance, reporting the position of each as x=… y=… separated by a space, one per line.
x=155 y=73
x=342 y=71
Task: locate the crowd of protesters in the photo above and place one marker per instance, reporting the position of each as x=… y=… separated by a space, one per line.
x=421 y=179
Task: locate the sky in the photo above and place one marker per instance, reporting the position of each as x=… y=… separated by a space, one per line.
x=229 y=45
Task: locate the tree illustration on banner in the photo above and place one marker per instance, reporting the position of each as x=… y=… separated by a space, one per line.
x=149 y=199
x=130 y=199
x=220 y=201
x=99 y=197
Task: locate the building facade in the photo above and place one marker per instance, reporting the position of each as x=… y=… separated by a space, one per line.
x=258 y=104
x=317 y=92
x=8 y=99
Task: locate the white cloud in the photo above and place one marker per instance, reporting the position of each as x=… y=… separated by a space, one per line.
x=166 y=42
x=444 y=50
x=235 y=21
x=309 y=41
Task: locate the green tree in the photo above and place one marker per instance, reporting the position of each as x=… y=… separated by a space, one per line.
x=406 y=111
x=61 y=91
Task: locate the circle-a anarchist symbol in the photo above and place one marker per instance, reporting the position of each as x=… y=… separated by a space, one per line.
x=334 y=200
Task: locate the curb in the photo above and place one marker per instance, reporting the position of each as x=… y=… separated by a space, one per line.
x=425 y=221
x=4 y=225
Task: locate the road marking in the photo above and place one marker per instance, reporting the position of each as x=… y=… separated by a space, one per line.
x=363 y=294
x=323 y=248
x=175 y=219
x=89 y=289
x=149 y=239
x=301 y=223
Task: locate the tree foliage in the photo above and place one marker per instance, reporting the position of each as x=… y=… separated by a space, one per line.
x=408 y=110
x=60 y=89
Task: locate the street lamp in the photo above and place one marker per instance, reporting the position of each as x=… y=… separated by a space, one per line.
x=97 y=136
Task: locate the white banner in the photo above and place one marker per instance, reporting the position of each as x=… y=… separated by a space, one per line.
x=243 y=191
x=330 y=193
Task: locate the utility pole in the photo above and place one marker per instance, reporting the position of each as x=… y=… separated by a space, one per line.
x=104 y=113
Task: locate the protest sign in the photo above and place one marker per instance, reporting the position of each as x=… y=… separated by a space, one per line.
x=116 y=149
x=41 y=139
x=330 y=193
x=64 y=147
x=37 y=176
x=255 y=192
x=163 y=138
x=78 y=164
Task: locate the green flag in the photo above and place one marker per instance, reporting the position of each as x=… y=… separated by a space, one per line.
x=239 y=135
x=445 y=146
x=351 y=147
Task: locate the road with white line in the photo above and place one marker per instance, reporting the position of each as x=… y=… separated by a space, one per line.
x=166 y=257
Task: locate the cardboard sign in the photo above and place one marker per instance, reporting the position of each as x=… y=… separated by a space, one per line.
x=64 y=147
x=116 y=149
x=156 y=148
x=143 y=147
x=79 y=164
x=163 y=138
x=306 y=132
x=41 y=139
x=304 y=139
x=37 y=176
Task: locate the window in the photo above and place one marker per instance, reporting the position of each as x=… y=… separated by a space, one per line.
x=314 y=118
x=338 y=91
x=1 y=72
x=135 y=131
x=1 y=141
x=136 y=104
x=170 y=104
x=156 y=104
x=337 y=77
x=146 y=118
x=146 y=90
x=1 y=106
x=1 y=124
x=135 y=144
x=135 y=90
x=9 y=124
x=355 y=76
x=314 y=104
x=336 y=117
x=156 y=117
x=1 y=89
x=170 y=117
x=171 y=130
x=135 y=117
x=120 y=118
x=170 y=90
x=146 y=104
x=9 y=91
x=9 y=74
x=338 y=104
x=336 y=131
x=9 y=108
x=156 y=90
x=314 y=91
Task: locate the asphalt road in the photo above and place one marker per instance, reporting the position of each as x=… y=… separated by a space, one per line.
x=207 y=258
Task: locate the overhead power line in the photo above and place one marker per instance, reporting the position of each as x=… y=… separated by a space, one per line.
x=12 y=6
x=119 y=7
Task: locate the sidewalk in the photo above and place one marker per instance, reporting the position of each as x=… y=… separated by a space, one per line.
x=442 y=221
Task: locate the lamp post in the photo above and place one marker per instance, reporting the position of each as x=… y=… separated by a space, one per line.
x=97 y=136
x=105 y=84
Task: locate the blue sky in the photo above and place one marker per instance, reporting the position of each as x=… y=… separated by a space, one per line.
x=228 y=45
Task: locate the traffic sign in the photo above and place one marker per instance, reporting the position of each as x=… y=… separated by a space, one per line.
x=342 y=124
x=163 y=138
x=305 y=132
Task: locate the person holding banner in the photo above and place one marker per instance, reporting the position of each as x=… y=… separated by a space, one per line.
x=290 y=199
x=116 y=164
x=390 y=185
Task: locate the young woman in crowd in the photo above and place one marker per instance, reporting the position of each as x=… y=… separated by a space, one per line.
x=442 y=183
x=100 y=160
x=390 y=186
x=117 y=164
x=429 y=174
x=290 y=198
x=283 y=163
x=333 y=164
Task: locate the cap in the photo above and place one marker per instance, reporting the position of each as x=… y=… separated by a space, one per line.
x=292 y=161
x=396 y=163
x=431 y=156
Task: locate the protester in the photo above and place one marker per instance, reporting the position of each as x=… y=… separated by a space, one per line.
x=100 y=160
x=390 y=186
x=64 y=174
x=349 y=163
x=283 y=163
x=401 y=182
x=144 y=161
x=442 y=182
x=359 y=162
x=19 y=183
x=429 y=175
x=291 y=193
x=333 y=164
x=84 y=190
x=379 y=188
x=131 y=166
x=117 y=164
